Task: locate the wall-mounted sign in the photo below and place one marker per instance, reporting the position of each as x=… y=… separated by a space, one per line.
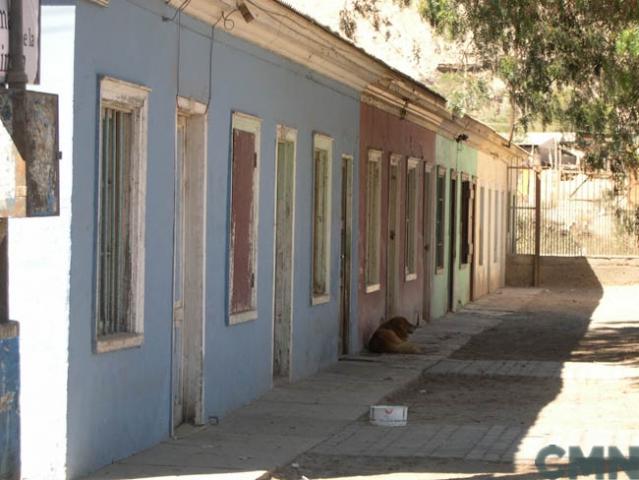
x=30 y=37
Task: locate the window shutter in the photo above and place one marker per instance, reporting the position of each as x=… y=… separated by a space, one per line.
x=243 y=202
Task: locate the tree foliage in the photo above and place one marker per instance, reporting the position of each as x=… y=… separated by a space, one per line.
x=575 y=62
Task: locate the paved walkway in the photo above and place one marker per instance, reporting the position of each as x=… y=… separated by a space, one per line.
x=512 y=373
x=292 y=419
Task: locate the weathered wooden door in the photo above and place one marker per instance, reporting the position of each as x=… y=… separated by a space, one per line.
x=428 y=238
x=392 y=265
x=453 y=241
x=178 y=274
x=471 y=234
x=345 y=263
x=284 y=214
x=188 y=269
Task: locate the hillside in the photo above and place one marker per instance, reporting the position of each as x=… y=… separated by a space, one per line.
x=393 y=31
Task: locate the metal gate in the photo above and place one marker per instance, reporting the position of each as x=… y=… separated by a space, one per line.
x=587 y=214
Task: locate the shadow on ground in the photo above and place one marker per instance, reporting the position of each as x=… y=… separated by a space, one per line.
x=551 y=330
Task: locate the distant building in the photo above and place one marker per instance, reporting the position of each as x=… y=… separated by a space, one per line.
x=556 y=150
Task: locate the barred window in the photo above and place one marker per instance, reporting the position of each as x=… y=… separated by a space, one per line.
x=322 y=154
x=122 y=189
x=410 y=259
x=373 y=219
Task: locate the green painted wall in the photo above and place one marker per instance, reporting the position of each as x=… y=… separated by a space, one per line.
x=462 y=159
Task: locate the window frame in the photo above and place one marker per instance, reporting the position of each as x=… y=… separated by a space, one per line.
x=251 y=124
x=132 y=98
x=410 y=274
x=322 y=142
x=373 y=284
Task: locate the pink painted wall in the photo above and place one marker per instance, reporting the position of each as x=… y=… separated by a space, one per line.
x=383 y=131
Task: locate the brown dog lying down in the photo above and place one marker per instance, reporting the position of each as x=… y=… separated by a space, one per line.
x=391 y=337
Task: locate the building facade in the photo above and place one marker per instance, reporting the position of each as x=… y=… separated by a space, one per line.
x=241 y=203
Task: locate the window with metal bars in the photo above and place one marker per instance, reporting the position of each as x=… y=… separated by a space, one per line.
x=322 y=153
x=120 y=222
x=115 y=220
x=373 y=219
x=410 y=257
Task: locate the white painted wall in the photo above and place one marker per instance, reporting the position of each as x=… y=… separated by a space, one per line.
x=40 y=255
x=492 y=174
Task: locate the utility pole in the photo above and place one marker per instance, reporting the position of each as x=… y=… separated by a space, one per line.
x=17 y=79
x=4 y=270
x=16 y=76
x=537 y=258
x=9 y=330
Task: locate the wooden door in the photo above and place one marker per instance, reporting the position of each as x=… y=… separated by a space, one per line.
x=282 y=310
x=345 y=259
x=179 y=274
x=392 y=264
x=453 y=241
x=427 y=257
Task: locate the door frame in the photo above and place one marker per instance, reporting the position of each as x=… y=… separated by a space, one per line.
x=287 y=134
x=346 y=238
x=195 y=175
x=392 y=243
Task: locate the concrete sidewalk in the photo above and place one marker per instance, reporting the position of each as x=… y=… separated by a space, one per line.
x=292 y=419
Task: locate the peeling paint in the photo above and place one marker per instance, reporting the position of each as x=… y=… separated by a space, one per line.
x=29 y=183
x=6 y=400
x=9 y=408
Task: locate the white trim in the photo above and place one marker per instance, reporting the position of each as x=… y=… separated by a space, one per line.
x=251 y=124
x=134 y=99
x=118 y=341
x=287 y=134
x=190 y=106
x=320 y=299
x=323 y=142
x=375 y=287
x=242 y=317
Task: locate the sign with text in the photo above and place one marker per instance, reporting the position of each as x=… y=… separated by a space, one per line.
x=30 y=38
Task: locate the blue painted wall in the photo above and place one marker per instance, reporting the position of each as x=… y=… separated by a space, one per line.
x=9 y=406
x=119 y=402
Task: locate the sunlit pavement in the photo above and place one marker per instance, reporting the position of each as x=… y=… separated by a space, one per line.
x=479 y=406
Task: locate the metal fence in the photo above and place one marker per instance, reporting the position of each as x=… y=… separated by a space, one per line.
x=580 y=213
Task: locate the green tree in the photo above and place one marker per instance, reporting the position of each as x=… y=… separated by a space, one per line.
x=573 y=62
